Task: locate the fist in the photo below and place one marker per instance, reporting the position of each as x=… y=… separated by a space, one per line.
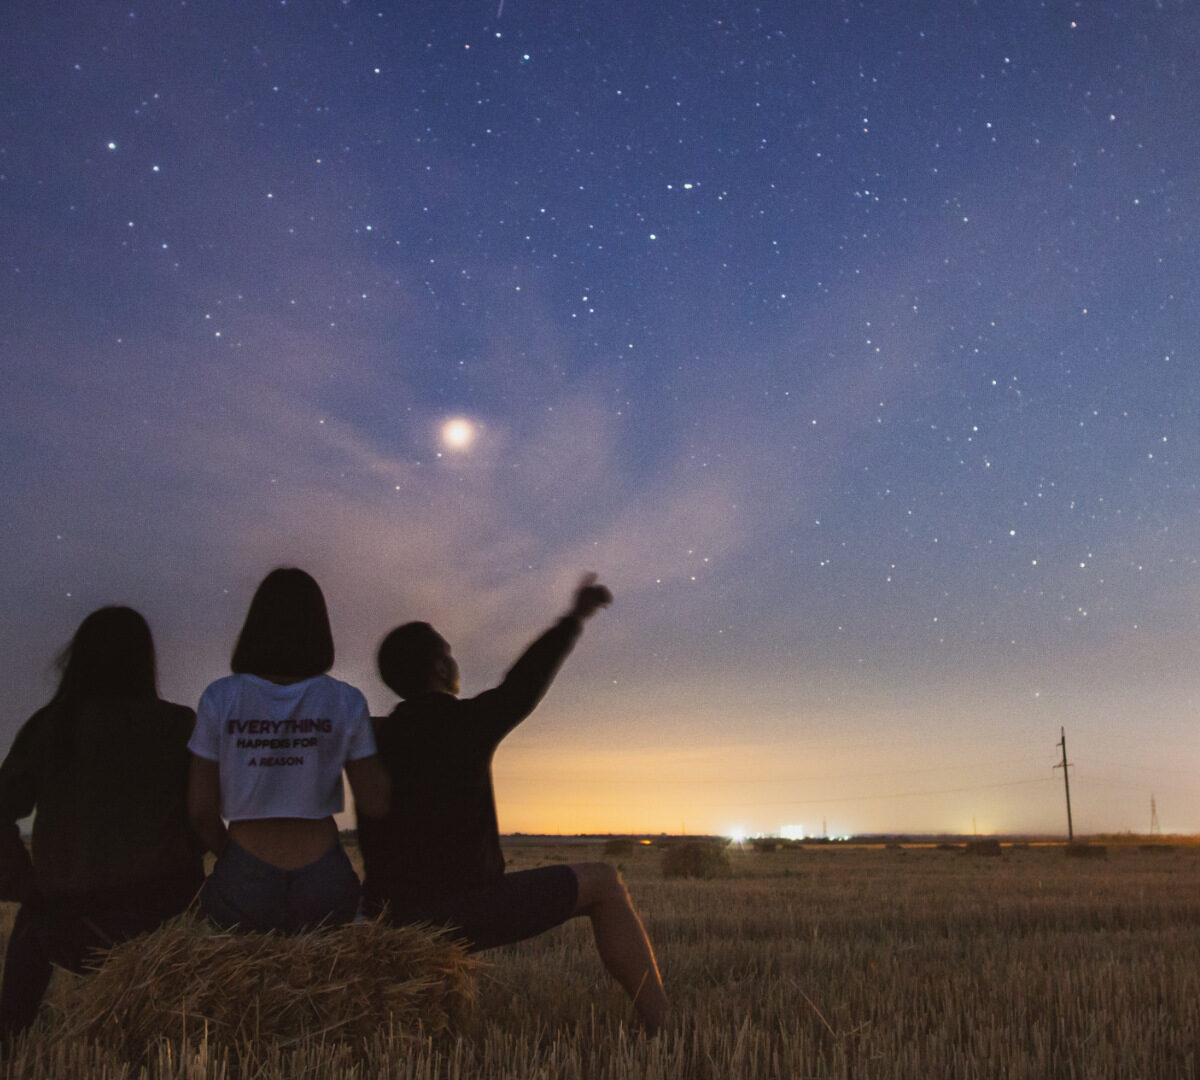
x=590 y=597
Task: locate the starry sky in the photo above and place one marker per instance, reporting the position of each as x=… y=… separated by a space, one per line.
x=852 y=344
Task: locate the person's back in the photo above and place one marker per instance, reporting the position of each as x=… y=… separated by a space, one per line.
x=270 y=744
x=441 y=832
x=104 y=766
x=111 y=784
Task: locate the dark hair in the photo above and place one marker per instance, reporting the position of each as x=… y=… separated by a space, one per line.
x=110 y=656
x=286 y=632
x=406 y=657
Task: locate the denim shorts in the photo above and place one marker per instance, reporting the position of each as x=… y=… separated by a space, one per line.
x=245 y=893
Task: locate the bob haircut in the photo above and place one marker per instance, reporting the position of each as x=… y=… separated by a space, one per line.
x=110 y=656
x=406 y=657
x=286 y=633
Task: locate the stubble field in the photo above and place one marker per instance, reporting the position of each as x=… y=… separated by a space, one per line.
x=815 y=962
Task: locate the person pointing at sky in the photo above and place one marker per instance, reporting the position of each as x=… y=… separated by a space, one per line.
x=436 y=856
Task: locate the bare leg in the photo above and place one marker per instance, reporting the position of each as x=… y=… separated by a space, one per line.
x=621 y=939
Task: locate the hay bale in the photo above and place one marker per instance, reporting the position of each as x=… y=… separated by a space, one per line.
x=1084 y=850
x=618 y=846
x=696 y=859
x=990 y=847
x=188 y=982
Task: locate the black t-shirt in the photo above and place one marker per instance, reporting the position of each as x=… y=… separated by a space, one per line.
x=440 y=836
x=108 y=780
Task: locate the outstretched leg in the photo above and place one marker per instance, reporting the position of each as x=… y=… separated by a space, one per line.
x=621 y=939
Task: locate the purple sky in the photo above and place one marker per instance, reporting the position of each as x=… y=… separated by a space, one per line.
x=854 y=345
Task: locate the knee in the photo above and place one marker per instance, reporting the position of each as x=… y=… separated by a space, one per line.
x=598 y=883
x=611 y=879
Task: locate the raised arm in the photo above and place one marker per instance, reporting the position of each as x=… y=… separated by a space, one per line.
x=18 y=794
x=527 y=681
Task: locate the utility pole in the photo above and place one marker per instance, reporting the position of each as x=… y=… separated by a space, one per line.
x=1067 y=785
x=1154 y=825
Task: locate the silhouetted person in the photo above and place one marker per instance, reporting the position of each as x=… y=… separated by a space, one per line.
x=105 y=765
x=436 y=856
x=270 y=744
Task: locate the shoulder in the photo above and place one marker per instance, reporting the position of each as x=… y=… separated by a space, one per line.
x=432 y=704
x=408 y=725
x=440 y=713
x=173 y=713
x=44 y=718
x=344 y=693
x=36 y=729
x=337 y=686
x=218 y=698
x=222 y=688
x=173 y=708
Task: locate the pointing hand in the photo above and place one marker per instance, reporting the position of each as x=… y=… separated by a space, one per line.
x=589 y=597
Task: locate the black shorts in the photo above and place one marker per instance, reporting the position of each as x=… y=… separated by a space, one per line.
x=520 y=905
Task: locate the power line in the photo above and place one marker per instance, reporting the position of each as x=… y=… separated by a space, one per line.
x=1190 y=773
x=1086 y=779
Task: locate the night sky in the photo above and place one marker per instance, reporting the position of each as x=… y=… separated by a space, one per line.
x=852 y=344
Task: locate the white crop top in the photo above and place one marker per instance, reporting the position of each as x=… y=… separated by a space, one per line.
x=281 y=748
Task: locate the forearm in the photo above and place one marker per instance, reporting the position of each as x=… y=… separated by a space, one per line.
x=17 y=879
x=18 y=797
x=371 y=787
x=497 y=711
x=204 y=804
x=527 y=681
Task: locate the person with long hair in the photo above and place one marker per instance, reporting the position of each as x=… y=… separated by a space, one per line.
x=270 y=744
x=105 y=765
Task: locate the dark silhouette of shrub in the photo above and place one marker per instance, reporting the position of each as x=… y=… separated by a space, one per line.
x=696 y=859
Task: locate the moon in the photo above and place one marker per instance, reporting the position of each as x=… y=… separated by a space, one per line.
x=458 y=434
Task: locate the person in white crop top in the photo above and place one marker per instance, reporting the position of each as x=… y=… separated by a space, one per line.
x=268 y=750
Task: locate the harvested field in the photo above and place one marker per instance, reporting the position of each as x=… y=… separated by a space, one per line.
x=827 y=962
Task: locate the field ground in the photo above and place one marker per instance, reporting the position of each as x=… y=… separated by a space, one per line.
x=906 y=962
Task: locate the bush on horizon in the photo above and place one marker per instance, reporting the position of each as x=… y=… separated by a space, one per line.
x=696 y=859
